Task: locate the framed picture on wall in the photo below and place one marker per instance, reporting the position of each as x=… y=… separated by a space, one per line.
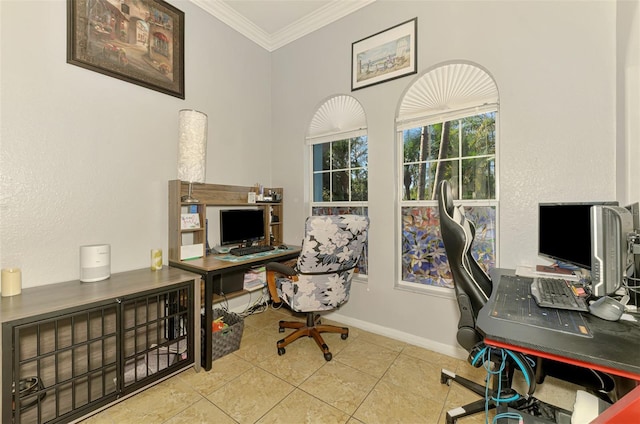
x=141 y=42
x=385 y=56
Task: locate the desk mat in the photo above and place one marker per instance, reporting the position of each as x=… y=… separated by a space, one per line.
x=233 y=258
x=514 y=302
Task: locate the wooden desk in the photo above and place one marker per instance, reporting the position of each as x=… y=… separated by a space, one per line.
x=614 y=347
x=212 y=268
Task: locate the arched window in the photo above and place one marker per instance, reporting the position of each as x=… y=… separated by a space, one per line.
x=337 y=139
x=446 y=128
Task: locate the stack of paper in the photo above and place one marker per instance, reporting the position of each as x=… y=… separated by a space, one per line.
x=255 y=278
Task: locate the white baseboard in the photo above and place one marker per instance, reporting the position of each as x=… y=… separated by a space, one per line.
x=454 y=351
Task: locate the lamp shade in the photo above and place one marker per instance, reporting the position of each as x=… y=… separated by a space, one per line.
x=192 y=148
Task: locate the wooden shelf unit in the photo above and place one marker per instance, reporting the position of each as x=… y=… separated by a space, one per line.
x=216 y=195
x=91 y=344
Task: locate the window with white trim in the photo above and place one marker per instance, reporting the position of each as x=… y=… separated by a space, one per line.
x=338 y=152
x=446 y=129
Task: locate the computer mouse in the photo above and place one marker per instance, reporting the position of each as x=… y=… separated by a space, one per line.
x=607 y=308
x=283 y=247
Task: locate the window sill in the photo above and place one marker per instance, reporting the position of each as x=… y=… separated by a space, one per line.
x=360 y=278
x=426 y=290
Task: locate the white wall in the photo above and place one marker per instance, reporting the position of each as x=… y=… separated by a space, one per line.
x=85 y=158
x=556 y=76
x=628 y=100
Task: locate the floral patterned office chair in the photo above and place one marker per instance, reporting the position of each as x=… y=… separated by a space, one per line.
x=321 y=279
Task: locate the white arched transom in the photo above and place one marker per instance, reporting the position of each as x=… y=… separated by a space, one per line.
x=338 y=116
x=451 y=87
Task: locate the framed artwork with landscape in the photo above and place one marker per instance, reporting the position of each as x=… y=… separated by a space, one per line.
x=138 y=41
x=384 y=56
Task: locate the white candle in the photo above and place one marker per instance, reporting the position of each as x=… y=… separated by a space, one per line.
x=11 y=282
x=156 y=259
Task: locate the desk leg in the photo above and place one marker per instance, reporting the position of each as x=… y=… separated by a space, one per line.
x=208 y=318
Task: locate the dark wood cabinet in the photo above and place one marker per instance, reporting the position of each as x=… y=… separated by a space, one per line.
x=73 y=347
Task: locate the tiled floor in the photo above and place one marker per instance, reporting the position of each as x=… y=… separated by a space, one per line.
x=371 y=379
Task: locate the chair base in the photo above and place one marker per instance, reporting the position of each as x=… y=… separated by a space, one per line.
x=539 y=412
x=312 y=328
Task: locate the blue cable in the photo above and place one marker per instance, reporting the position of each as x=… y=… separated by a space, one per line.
x=485 y=353
x=509 y=415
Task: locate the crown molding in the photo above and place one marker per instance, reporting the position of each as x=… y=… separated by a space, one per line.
x=323 y=16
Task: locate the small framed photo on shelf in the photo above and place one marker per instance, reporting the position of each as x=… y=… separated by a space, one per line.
x=189 y=221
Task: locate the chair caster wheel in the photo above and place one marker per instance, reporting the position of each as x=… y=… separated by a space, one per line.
x=344 y=336
x=281 y=351
x=327 y=356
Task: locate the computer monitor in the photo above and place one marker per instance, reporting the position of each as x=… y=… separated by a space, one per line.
x=589 y=235
x=564 y=232
x=241 y=226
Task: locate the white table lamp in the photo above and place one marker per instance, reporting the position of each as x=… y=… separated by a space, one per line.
x=192 y=149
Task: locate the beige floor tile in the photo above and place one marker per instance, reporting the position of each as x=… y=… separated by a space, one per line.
x=371 y=379
x=156 y=404
x=421 y=376
x=301 y=359
x=249 y=331
x=339 y=385
x=257 y=347
x=202 y=412
x=251 y=395
x=367 y=357
x=389 y=403
x=300 y=407
x=443 y=361
x=386 y=342
x=222 y=371
x=267 y=320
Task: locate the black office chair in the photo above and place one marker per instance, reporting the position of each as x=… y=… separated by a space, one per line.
x=473 y=288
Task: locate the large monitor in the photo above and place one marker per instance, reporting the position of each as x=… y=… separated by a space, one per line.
x=241 y=226
x=564 y=232
x=589 y=235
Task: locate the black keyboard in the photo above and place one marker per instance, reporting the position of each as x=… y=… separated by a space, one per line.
x=557 y=293
x=250 y=250
x=514 y=302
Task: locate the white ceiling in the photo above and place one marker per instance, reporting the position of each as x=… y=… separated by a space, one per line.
x=274 y=23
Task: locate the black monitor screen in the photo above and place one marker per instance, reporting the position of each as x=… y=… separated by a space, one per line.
x=564 y=232
x=241 y=225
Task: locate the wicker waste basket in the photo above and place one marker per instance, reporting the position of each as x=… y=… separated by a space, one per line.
x=228 y=339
